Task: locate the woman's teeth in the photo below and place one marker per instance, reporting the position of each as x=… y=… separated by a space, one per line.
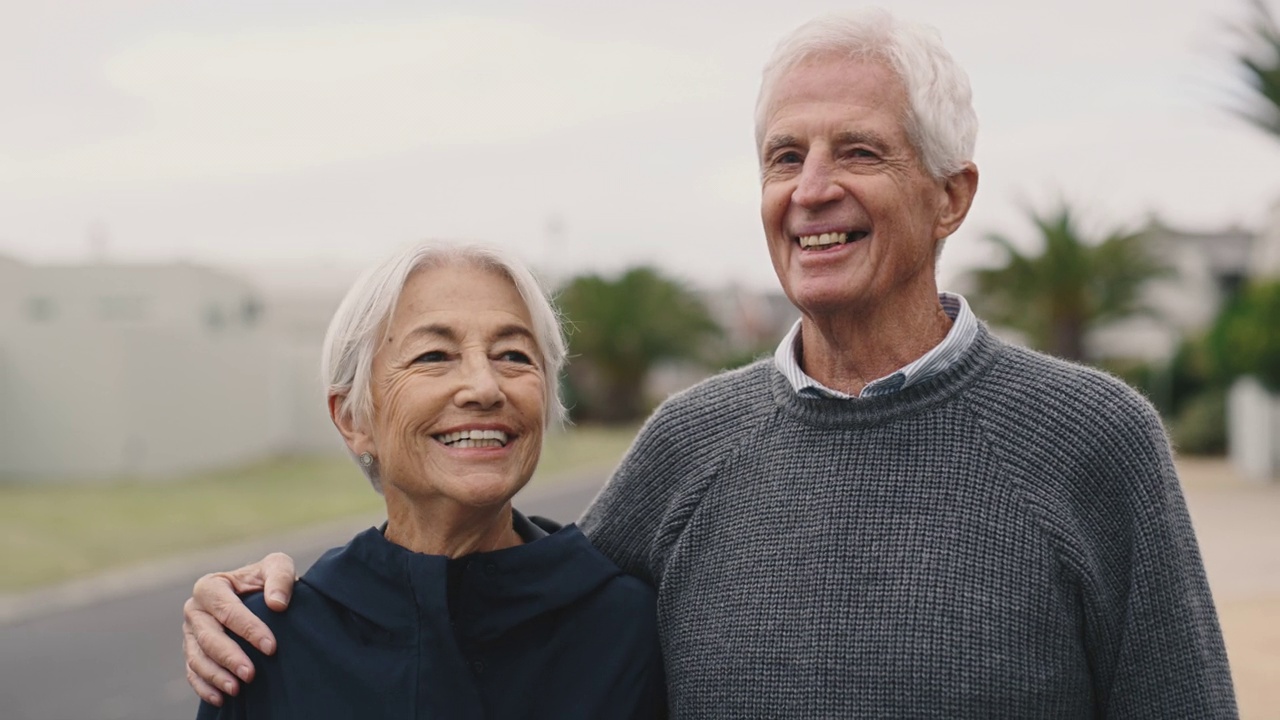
x=474 y=438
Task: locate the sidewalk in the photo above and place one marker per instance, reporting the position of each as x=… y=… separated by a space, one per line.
x=1238 y=525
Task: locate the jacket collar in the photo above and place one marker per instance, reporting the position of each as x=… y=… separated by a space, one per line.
x=494 y=591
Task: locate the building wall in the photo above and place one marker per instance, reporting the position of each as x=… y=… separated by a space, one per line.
x=1185 y=302
x=99 y=403
x=1205 y=267
x=300 y=416
x=1253 y=424
x=148 y=371
x=1265 y=258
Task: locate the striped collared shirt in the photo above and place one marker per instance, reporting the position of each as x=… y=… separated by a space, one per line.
x=964 y=328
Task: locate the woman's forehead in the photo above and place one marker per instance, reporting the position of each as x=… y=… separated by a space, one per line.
x=459 y=299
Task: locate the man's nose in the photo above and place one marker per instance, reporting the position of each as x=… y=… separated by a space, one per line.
x=478 y=385
x=817 y=183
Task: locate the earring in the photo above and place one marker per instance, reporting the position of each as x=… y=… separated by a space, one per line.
x=366 y=460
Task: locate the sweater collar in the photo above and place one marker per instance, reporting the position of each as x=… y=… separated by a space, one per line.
x=831 y=412
x=393 y=587
x=964 y=328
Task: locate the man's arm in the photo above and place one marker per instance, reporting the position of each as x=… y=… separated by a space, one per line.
x=1166 y=653
x=625 y=519
x=214 y=608
x=1151 y=631
x=645 y=505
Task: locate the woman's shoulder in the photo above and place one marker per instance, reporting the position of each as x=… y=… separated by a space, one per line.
x=621 y=593
x=307 y=608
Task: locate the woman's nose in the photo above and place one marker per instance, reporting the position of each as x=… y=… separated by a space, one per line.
x=479 y=385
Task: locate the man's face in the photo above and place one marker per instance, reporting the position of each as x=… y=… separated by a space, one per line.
x=851 y=216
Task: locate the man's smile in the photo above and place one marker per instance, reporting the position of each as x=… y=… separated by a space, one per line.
x=831 y=239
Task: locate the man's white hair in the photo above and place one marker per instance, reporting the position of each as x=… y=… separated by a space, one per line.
x=357 y=327
x=940 y=122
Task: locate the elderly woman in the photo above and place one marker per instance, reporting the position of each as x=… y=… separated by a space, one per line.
x=441 y=366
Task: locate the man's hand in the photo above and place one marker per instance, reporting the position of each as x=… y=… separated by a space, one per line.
x=214 y=605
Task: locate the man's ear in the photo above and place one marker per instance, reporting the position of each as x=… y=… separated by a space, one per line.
x=358 y=441
x=959 y=188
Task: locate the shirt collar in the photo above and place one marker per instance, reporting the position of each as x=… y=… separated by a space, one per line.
x=964 y=328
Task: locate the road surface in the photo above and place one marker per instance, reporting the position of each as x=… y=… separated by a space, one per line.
x=121 y=659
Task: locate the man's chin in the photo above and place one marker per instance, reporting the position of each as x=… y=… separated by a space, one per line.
x=826 y=296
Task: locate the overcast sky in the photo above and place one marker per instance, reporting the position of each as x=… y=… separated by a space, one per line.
x=587 y=135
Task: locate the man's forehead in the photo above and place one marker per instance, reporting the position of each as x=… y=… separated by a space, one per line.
x=836 y=80
x=834 y=74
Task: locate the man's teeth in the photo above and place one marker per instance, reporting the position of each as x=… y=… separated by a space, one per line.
x=474 y=438
x=828 y=239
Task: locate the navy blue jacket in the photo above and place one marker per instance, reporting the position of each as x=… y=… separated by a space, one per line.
x=547 y=629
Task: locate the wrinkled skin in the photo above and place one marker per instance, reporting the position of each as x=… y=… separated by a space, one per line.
x=457 y=354
x=215 y=604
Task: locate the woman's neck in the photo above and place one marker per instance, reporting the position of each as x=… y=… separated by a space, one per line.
x=443 y=528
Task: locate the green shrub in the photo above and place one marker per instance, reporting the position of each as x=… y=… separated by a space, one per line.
x=1200 y=428
x=1245 y=339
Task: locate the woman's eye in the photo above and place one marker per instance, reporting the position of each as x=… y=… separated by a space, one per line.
x=517 y=357
x=431 y=356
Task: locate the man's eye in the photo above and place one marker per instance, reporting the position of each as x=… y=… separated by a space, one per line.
x=790 y=157
x=517 y=357
x=431 y=356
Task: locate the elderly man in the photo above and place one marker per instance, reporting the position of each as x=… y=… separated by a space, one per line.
x=898 y=515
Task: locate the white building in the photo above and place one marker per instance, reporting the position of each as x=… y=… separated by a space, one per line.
x=1206 y=268
x=145 y=371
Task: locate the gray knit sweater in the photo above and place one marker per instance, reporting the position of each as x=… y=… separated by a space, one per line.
x=1007 y=539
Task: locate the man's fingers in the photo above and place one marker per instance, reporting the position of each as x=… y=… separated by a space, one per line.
x=204 y=674
x=214 y=660
x=207 y=692
x=279 y=577
x=234 y=617
x=209 y=639
x=214 y=595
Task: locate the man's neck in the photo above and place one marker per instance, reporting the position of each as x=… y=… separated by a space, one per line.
x=847 y=351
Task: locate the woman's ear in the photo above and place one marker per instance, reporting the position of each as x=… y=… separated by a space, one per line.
x=358 y=441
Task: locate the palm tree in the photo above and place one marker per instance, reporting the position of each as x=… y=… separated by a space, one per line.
x=1260 y=65
x=1070 y=286
x=620 y=328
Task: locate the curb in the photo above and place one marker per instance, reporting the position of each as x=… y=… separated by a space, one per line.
x=134 y=579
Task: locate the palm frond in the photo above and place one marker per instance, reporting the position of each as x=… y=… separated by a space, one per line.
x=1071 y=285
x=1259 y=62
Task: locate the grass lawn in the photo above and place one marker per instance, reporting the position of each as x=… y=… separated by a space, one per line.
x=51 y=532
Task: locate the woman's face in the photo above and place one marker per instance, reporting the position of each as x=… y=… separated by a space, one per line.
x=458 y=390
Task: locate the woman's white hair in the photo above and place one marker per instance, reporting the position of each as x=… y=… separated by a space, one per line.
x=941 y=122
x=357 y=327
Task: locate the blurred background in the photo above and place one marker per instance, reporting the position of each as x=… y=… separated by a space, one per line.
x=187 y=189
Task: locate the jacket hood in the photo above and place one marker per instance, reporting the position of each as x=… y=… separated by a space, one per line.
x=492 y=593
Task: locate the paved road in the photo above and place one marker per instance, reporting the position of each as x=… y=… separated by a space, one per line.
x=121 y=659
